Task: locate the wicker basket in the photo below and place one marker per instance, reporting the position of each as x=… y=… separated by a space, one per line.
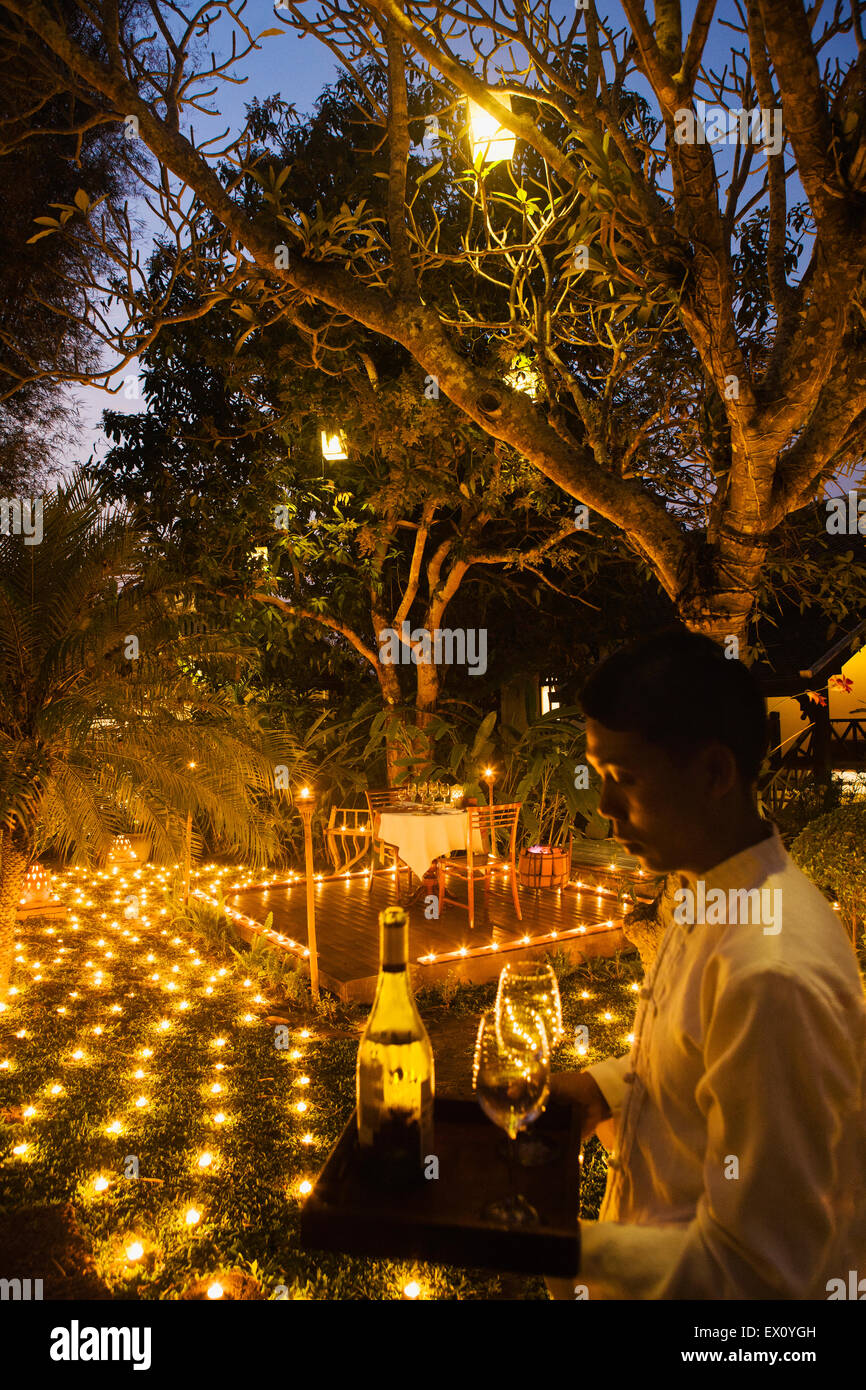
x=543 y=866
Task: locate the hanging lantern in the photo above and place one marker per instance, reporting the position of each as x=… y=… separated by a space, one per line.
x=490 y=139
x=523 y=377
x=334 y=445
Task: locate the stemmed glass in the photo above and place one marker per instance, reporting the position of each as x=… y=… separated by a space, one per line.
x=511 y=1078
x=532 y=985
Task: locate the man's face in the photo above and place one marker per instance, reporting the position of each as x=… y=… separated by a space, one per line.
x=660 y=807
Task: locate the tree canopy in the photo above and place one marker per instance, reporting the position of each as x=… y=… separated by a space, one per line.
x=699 y=344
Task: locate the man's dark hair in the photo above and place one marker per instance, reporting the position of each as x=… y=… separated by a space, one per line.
x=679 y=690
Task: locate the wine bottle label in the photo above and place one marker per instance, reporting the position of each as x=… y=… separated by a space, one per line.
x=399 y=1123
x=371 y=1101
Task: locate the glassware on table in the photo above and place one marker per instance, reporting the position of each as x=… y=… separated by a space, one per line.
x=511 y=1078
x=413 y=791
x=532 y=985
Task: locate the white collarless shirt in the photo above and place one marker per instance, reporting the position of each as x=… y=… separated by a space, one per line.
x=738 y=1130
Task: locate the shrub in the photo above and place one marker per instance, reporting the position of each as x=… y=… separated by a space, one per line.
x=813 y=799
x=832 y=851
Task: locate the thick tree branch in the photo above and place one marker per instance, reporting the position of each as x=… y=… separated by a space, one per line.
x=807 y=122
x=296 y=610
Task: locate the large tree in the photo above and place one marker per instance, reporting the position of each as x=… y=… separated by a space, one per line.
x=610 y=238
x=226 y=469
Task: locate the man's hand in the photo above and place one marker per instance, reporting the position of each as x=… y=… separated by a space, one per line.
x=579 y=1088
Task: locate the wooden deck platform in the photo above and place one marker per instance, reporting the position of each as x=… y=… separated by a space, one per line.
x=581 y=923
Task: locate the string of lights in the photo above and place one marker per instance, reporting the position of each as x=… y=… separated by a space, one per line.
x=429 y=957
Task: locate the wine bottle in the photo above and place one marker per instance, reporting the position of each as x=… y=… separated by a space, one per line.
x=394 y=1074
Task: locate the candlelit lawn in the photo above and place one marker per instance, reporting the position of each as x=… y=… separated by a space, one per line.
x=132 y=1044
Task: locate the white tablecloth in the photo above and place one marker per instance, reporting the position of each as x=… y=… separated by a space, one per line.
x=420 y=838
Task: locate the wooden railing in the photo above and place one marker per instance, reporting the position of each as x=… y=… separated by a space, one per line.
x=842 y=744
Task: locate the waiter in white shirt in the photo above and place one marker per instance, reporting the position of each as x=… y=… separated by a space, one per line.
x=736 y=1125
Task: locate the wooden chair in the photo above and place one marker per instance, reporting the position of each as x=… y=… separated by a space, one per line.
x=348 y=835
x=378 y=800
x=484 y=821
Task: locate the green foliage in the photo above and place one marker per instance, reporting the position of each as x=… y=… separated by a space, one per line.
x=272 y=967
x=442 y=992
x=203 y=920
x=535 y=767
x=832 y=851
x=111 y=686
x=813 y=800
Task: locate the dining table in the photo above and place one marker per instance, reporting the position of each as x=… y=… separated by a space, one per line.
x=422 y=833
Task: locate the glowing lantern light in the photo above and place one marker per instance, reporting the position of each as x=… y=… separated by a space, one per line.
x=334 y=446
x=490 y=140
x=121 y=851
x=523 y=377
x=36 y=889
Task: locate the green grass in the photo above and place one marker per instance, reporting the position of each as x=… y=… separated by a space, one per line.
x=248 y=1198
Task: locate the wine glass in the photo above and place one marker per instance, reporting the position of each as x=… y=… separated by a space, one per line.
x=532 y=985
x=511 y=1077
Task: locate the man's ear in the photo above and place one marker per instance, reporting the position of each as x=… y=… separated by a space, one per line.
x=720 y=769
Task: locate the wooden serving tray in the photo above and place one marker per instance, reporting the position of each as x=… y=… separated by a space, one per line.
x=440 y=1221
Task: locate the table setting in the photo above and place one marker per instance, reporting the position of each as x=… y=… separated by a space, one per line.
x=427 y=825
x=503 y=1195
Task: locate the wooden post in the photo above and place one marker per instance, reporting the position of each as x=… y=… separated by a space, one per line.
x=306 y=805
x=490 y=778
x=187 y=857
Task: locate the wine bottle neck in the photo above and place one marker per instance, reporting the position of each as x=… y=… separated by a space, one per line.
x=394 y=947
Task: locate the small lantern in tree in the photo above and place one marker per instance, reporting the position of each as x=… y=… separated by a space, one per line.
x=334 y=446
x=490 y=140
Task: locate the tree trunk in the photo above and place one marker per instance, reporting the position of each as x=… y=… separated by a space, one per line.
x=426 y=698
x=392 y=699
x=13 y=867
